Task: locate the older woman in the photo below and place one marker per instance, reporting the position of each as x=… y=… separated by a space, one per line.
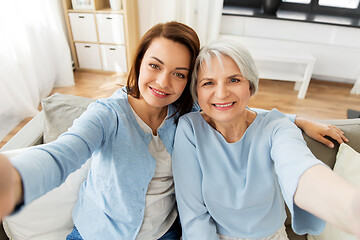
x=234 y=166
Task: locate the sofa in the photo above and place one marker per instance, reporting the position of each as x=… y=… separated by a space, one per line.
x=49 y=217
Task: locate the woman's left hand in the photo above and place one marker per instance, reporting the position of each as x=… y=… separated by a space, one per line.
x=318 y=131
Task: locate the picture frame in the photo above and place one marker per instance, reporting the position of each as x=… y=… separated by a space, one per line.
x=83 y=4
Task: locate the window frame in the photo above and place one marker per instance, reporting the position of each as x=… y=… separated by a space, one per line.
x=312 y=8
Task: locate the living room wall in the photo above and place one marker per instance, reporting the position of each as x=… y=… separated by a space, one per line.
x=336 y=48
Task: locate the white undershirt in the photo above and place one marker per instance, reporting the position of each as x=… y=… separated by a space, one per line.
x=160 y=209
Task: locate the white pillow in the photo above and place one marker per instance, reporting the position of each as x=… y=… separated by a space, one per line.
x=347 y=166
x=50 y=216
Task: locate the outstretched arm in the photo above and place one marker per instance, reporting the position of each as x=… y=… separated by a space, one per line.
x=11 y=192
x=318 y=131
x=326 y=195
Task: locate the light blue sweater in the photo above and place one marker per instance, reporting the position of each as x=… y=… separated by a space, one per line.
x=112 y=200
x=238 y=189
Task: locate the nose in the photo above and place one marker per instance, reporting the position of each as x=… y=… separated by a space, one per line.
x=221 y=91
x=163 y=80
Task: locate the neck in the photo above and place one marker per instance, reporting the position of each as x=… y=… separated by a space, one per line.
x=152 y=116
x=234 y=130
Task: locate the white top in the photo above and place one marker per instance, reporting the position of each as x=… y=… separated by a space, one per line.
x=160 y=208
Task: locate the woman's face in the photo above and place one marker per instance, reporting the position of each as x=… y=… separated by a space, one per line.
x=163 y=72
x=223 y=93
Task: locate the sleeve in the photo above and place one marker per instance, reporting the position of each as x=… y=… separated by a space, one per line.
x=47 y=166
x=292 y=158
x=195 y=219
x=291 y=117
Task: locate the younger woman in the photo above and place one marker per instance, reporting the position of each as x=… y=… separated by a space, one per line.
x=129 y=191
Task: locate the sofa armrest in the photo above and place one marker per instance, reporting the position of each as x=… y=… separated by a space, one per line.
x=30 y=135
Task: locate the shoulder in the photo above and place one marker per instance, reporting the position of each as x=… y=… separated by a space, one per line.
x=271 y=116
x=187 y=125
x=272 y=123
x=115 y=103
x=190 y=119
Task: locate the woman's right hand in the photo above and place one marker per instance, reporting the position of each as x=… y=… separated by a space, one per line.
x=10 y=187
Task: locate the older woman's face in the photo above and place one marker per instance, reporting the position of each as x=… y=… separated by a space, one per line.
x=223 y=93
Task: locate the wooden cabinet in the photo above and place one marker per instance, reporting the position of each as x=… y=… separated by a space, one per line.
x=102 y=39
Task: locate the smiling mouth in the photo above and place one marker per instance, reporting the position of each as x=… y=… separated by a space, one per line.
x=223 y=105
x=159 y=92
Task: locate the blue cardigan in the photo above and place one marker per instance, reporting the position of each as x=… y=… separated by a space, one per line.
x=111 y=201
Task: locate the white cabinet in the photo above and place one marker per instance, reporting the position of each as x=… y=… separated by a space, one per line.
x=88 y=55
x=83 y=27
x=102 y=38
x=110 y=28
x=113 y=58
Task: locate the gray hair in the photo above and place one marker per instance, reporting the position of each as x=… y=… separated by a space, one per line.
x=232 y=49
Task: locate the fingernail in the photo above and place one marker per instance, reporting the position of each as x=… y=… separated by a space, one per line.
x=331 y=145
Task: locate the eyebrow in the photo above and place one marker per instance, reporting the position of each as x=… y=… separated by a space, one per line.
x=231 y=76
x=178 y=68
x=205 y=79
x=236 y=75
x=157 y=60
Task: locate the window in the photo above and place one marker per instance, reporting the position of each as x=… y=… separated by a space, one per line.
x=343 y=8
x=352 y=4
x=298 y=1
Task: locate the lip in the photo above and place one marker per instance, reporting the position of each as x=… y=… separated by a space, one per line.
x=223 y=106
x=158 y=93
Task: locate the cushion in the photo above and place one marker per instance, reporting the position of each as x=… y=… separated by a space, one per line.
x=50 y=216
x=60 y=112
x=351 y=128
x=348 y=167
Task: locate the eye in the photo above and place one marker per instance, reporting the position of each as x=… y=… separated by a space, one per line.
x=154 y=66
x=234 y=80
x=180 y=75
x=207 y=84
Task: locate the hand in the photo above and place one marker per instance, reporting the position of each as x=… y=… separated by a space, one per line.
x=318 y=131
x=10 y=187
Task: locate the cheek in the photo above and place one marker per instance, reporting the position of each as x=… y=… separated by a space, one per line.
x=245 y=92
x=143 y=73
x=180 y=86
x=202 y=99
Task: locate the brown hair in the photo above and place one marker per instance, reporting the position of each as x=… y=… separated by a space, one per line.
x=176 y=32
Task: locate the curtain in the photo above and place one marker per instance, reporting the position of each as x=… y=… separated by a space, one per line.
x=34 y=57
x=202 y=15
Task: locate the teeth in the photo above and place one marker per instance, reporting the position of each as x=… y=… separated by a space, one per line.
x=161 y=93
x=225 y=105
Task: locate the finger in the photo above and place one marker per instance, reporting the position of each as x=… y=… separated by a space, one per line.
x=339 y=132
x=324 y=141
